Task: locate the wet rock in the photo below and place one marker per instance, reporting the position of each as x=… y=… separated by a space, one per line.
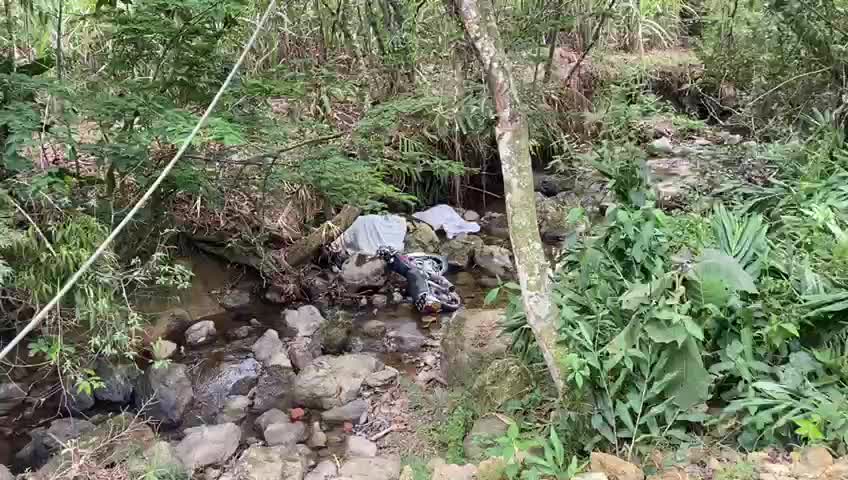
x=75 y=400
x=384 y=377
x=379 y=300
x=472 y=339
x=496 y=225
x=363 y=271
x=11 y=395
x=502 y=380
x=349 y=412
x=304 y=321
x=164 y=393
x=374 y=328
x=303 y=350
x=118 y=381
x=235 y=299
x=485 y=430
x=460 y=250
x=494 y=261
x=200 y=333
x=471 y=216
x=614 y=467
x=335 y=333
x=285 y=433
x=356 y=446
x=269 y=350
x=421 y=238
x=550 y=184
x=445 y=471
x=208 y=445
x=326 y=470
x=374 y=468
x=405 y=338
x=317 y=439
x=163 y=349
x=661 y=146
x=238 y=333
x=329 y=382
x=235 y=409
x=214 y=384
x=275 y=389
x=270 y=463
x=316 y=287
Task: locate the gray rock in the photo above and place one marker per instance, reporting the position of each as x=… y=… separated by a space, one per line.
x=363 y=271
x=275 y=389
x=374 y=328
x=384 y=377
x=208 y=445
x=421 y=238
x=379 y=300
x=496 y=225
x=5 y=474
x=349 y=412
x=460 y=250
x=235 y=299
x=551 y=184
x=303 y=350
x=316 y=287
x=488 y=282
x=77 y=401
x=733 y=139
x=472 y=339
x=405 y=338
x=325 y=470
x=304 y=321
x=486 y=429
x=285 y=433
x=200 y=333
x=494 y=261
x=161 y=456
x=164 y=393
x=218 y=380
x=317 y=439
x=269 y=350
x=238 y=333
x=11 y=395
x=271 y=417
x=64 y=429
x=661 y=146
x=471 y=216
x=235 y=409
x=356 y=446
x=118 y=381
x=328 y=382
x=163 y=349
x=374 y=468
x=270 y=463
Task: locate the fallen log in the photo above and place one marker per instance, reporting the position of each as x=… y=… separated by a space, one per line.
x=304 y=249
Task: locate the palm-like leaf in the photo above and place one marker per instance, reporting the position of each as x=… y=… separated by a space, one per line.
x=741 y=238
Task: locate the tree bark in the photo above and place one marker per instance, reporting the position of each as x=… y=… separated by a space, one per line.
x=304 y=249
x=513 y=146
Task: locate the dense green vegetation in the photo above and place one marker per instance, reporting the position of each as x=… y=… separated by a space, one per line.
x=722 y=318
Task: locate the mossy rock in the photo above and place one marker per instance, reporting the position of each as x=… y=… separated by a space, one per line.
x=472 y=339
x=335 y=333
x=504 y=379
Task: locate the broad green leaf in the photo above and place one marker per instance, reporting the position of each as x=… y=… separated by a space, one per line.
x=662 y=333
x=491 y=296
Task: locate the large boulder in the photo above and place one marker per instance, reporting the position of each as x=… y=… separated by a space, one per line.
x=362 y=271
x=371 y=468
x=118 y=381
x=460 y=250
x=472 y=339
x=46 y=441
x=404 y=338
x=275 y=389
x=11 y=396
x=200 y=333
x=302 y=350
x=356 y=446
x=304 y=321
x=235 y=299
x=208 y=445
x=215 y=382
x=551 y=184
x=328 y=381
x=421 y=238
x=285 y=433
x=235 y=409
x=269 y=350
x=164 y=393
x=270 y=463
x=349 y=412
x=503 y=379
x=494 y=261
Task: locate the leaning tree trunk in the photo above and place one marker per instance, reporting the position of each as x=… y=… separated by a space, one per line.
x=514 y=149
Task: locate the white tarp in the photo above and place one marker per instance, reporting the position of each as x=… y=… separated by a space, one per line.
x=446 y=218
x=369 y=232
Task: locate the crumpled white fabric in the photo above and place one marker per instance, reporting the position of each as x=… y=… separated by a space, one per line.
x=369 y=232
x=446 y=218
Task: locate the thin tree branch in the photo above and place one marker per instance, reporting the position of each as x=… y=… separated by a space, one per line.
x=595 y=35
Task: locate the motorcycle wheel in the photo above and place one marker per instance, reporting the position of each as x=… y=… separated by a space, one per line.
x=450 y=301
x=427 y=261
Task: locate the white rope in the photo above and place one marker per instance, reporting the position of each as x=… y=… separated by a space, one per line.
x=103 y=246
